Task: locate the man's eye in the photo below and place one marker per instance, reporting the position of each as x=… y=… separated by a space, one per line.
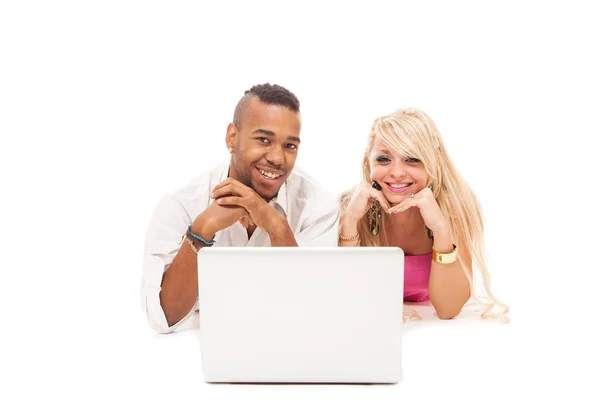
x=292 y=146
x=263 y=140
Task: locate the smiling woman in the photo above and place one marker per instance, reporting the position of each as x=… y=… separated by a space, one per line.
x=429 y=211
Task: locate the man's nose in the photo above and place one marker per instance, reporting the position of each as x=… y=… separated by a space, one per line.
x=275 y=156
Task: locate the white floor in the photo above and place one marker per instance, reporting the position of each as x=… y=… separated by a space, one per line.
x=465 y=358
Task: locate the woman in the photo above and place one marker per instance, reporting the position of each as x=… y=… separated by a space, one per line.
x=413 y=197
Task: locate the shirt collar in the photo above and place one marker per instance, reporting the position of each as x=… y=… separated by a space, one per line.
x=281 y=198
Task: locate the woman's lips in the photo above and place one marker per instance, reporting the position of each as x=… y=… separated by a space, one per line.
x=398 y=189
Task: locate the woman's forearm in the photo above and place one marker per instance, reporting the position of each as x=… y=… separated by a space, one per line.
x=448 y=286
x=349 y=229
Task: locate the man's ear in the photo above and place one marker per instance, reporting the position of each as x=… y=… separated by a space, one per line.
x=231 y=137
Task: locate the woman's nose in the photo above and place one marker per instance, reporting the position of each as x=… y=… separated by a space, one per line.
x=398 y=171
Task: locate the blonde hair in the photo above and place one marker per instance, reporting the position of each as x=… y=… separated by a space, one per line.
x=412 y=133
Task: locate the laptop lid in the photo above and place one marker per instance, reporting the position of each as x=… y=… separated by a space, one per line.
x=277 y=314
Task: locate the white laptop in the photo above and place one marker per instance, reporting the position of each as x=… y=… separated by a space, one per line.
x=301 y=315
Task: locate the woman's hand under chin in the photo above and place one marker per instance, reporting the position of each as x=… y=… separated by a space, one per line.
x=430 y=210
x=361 y=201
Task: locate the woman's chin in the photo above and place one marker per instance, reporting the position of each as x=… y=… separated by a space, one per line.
x=393 y=199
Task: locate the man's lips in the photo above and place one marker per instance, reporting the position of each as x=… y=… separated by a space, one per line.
x=268 y=175
x=271 y=170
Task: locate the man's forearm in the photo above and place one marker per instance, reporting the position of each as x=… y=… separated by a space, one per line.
x=179 y=287
x=282 y=235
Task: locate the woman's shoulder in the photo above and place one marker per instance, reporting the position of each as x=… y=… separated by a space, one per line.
x=345 y=196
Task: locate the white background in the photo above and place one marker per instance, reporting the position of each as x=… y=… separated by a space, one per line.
x=105 y=106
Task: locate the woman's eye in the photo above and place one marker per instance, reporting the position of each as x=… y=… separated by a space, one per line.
x=382 y=159
x=412 y=160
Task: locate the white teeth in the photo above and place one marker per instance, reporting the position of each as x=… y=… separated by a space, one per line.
x=396 y=186
x=268 y=174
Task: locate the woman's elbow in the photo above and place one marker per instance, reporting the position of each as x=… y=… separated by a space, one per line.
x=447 y=313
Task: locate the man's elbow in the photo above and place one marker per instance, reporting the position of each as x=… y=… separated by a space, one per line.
x=172 y=321
x=155 y=318
x=159 y=326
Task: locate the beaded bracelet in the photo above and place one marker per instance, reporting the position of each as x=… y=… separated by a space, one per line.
x=200 y=238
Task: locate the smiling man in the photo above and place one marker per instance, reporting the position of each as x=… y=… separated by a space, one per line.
x=256 y=199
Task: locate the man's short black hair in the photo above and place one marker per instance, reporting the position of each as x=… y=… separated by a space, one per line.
x=269 y=94
x=275 y=94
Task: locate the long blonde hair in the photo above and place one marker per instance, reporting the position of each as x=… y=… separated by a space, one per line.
x=412 y=133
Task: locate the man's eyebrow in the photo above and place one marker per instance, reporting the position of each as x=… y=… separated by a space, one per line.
x=264 y=132
x=271 y=133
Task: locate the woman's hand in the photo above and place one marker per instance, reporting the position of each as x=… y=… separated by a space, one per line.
x=429 y=208
x=362 y=199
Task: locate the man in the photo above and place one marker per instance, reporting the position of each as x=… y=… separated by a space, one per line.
x=256 y=199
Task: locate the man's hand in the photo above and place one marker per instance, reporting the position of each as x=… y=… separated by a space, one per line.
x=218 y=217
x=232 y=193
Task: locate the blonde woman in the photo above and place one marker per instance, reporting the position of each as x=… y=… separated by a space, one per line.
x=413 y=197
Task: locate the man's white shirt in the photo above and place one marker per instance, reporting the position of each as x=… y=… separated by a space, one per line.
x=311 y=212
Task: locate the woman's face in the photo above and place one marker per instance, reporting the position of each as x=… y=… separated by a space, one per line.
x=399 y=176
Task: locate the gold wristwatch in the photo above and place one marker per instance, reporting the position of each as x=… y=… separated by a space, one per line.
x=444 y=258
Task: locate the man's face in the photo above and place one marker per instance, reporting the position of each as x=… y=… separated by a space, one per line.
x=266 y=146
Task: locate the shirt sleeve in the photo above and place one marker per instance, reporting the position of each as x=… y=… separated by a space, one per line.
x=322 y=231
x=162 y=242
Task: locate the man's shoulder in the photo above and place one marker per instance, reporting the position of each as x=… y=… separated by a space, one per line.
x=199 y=187
x=300 y=183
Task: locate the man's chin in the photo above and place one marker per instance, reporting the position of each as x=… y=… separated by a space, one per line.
x=266 y=194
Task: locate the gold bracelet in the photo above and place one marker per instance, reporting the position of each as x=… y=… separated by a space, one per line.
x=349 y=239
x=194 y=249
x=444 y=258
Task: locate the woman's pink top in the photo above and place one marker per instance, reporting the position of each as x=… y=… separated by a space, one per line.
x=416 y=277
